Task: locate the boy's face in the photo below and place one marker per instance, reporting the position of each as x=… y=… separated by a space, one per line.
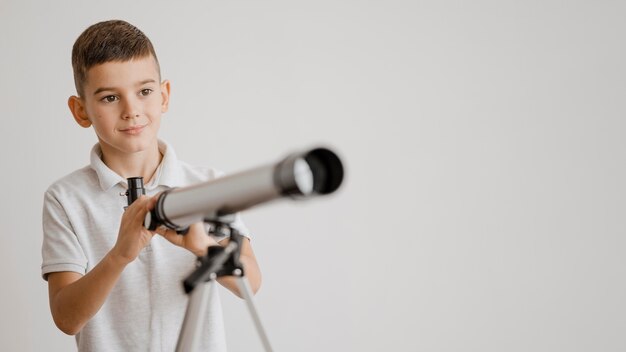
x=123 y=101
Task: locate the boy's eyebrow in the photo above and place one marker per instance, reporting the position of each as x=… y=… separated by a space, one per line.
x=104 y=89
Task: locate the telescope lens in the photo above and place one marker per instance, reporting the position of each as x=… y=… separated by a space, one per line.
x=303 y=176
x=327 y=170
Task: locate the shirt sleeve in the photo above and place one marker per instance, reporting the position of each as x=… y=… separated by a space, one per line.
x=240 y=226
x=61 y=250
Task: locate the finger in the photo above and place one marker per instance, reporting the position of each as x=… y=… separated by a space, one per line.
x=138 y=210
x=137 y=205
x=161 y=230
x=153 y=201
x=165 y=231
x=170 y=235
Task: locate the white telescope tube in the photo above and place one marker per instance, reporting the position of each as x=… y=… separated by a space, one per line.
x=300 y=175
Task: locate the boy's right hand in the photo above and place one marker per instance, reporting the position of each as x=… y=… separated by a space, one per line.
x=74 y=298
x=133 y=236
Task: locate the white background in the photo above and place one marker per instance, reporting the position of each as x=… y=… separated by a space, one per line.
x=483 y=205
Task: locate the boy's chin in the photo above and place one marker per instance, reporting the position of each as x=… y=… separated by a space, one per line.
x=142 y=147
x=131 y=147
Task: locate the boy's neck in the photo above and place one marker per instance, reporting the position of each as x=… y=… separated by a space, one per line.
x=143 y=163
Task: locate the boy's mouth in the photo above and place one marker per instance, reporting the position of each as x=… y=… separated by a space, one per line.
x=133 y=129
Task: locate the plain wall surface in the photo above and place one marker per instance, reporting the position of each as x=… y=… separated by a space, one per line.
x=484 y=200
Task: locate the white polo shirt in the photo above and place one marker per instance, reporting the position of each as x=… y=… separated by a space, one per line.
x=145 y=309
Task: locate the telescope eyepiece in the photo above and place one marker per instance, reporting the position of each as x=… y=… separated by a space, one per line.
x=135 y=189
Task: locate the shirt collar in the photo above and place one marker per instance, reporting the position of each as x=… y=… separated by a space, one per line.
x=167 y=174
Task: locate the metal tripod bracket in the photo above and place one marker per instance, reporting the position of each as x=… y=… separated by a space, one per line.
x=218 y=262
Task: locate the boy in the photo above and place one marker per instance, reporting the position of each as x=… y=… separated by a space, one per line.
x=111 y=282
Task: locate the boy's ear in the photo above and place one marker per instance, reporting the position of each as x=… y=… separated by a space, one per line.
x=78 y=111
x=165 y=95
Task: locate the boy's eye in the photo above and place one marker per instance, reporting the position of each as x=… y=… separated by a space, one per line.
x=145 y=92
x=109 y=99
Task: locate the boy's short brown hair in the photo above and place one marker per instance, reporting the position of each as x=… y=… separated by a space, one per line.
x=107 y=41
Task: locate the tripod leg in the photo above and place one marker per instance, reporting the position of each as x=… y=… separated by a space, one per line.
x=191 y=330
x=244 y=288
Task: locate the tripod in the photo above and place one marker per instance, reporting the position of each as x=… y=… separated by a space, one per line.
x=219 y=261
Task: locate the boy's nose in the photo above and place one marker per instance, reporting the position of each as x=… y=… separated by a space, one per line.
x=131 y=110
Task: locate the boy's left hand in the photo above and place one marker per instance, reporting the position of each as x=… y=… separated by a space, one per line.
x=195 y=240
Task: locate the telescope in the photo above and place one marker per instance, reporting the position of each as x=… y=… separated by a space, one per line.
x=300 y=175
